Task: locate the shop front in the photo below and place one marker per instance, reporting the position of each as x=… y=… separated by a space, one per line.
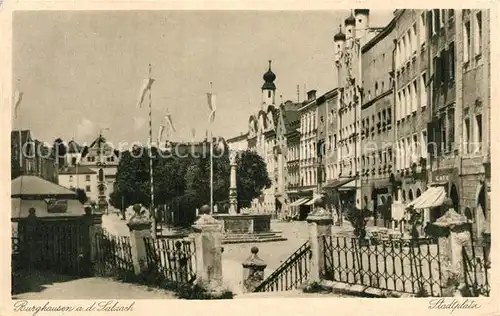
x=443 y=185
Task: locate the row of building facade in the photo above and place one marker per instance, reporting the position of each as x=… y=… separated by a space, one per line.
x=91 y=168
x=411 y=111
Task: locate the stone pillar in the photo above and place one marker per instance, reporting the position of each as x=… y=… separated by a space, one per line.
x=233 y=193
x=94 y=225
x=453 y=235
x=253 y=271
x=208 y=241
x=320 y=224
x=140 y=228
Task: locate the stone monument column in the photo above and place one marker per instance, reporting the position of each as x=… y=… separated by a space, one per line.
x=233 y=193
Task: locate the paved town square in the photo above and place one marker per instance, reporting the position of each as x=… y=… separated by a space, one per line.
x=218 y=154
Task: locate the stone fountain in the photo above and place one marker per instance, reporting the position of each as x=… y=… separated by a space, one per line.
x=248 y=227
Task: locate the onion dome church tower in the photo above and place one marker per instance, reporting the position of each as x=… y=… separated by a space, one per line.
x=268 y=88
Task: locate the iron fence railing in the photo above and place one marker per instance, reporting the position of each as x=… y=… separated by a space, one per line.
x=172 y=259
x=476 y=273
x=291 y=273
x=402 y=265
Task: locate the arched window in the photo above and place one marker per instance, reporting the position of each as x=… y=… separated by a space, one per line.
x=410 y=195
x=403 y=193
x=418 y=192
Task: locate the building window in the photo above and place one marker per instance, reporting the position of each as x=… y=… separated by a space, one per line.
x=414 y=38
x=478 y=36
x=451 y=60
x=414 y=96
x=409 y=100
x=437 y=20
x=451 y=14
x=70 y=178
x=467 y=41
x=87 y=177
x=467 y=137
x=451 y=128
x=376 y=88
x=414 y=150
x=423 y=30
x=423 y=142
x=479 y=132
x=87 y=188
x=442 y=124
x=423 y=90
x=442 y=67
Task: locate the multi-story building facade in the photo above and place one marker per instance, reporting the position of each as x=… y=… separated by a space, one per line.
x=262 y=139
x=326 y=136
x=348 y=65
x=291 y=121
x=308 y=149
x=80 y=177
x=32 y=157
x=472 y=70
x=103 y=159
x=411 y=94
x=376 y=128
x=238 y=143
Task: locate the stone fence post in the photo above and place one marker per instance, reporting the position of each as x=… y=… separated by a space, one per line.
x=94 y=224
x=140 y=228
x=208 y=242
x=253 y=271
x=453 y=235
x=320 y=224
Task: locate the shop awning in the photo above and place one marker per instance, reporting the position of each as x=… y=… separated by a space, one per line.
x=434 y=196
x=311 y=202
x=299 y=202
x=337 y=183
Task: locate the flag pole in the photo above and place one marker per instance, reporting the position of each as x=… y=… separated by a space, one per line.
x=151 y=208
x=211 y=163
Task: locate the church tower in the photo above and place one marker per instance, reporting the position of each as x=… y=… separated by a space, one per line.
x=268 y=88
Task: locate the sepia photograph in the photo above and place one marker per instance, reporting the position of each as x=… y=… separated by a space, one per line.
x=231 y=154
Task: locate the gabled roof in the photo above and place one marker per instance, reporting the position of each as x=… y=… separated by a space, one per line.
x=33 y=185
x=77 y=170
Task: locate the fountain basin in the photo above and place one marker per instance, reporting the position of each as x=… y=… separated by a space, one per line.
x=246 y=228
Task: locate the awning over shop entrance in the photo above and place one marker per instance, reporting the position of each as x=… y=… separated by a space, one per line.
x=434 y=196
x=299 y=202
x=311 y=202
x=337 y=183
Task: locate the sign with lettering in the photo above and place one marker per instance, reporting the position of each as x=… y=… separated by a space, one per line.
x=445 y=175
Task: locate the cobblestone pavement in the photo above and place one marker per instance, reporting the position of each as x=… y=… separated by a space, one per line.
x=48 y=285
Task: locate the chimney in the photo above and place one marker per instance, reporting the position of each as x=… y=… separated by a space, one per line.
x=311 y=95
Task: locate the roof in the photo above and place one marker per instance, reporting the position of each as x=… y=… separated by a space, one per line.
x=76 y=170
x=20 y=208
x=33 y=185
x=291 y=116
x=237 y=138
x=385 y=32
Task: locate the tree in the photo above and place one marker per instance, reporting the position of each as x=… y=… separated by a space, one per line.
x=60 y=151
x=81 y=195
x=251 y=177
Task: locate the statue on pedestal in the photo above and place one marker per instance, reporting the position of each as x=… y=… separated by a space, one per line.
x=233 y=193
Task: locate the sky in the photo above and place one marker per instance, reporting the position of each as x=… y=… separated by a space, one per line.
x=82 y=71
